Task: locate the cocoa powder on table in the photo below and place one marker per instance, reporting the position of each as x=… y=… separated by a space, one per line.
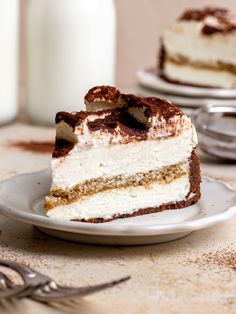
x=225 y=258
x=44 y=147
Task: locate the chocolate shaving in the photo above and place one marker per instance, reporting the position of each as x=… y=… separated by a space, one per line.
x=153 y=106
x=201 y=14
x=224 y=22
x=72 y=118
x=224 y=258
x=161 y=57
x=103 y=93
x=209 y=30
x=126 y=123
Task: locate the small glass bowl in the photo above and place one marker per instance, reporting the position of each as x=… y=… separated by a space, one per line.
x=216 y=128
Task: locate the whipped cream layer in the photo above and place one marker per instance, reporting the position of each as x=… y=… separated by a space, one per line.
x=100 y=160
x=199 y=76
x=123 y=201
x=184 y=38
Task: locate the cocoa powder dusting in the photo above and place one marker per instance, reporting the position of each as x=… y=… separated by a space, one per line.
x=44 y=147
x=223 y=258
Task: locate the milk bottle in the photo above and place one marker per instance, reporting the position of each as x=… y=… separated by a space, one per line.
x=8 y=60
x=70 y=47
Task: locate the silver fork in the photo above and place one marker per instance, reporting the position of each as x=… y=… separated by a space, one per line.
x=43 y=288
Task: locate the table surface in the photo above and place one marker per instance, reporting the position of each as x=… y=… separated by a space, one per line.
x=196 y=274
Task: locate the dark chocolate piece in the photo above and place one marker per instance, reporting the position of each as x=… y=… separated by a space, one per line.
x=62 y=148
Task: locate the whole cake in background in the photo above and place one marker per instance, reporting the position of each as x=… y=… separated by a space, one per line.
x=124 y=157
x=200 y=49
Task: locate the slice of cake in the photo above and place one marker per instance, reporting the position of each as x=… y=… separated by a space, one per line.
x=136 y=158
x=199 y=49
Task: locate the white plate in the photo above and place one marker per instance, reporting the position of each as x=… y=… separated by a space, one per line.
x=186 y=101
x=148 y=78
x=21 y=199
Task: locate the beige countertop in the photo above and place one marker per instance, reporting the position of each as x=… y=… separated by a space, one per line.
x=196 y=274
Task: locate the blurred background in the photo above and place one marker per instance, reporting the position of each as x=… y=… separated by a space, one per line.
x=139 y=26
x=136 y=30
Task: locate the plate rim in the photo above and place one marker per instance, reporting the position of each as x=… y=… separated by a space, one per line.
x=108 y=229
x=186 y=101
x=183 y=90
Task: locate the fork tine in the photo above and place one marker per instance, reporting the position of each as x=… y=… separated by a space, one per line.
x=11 y=292
x=64 y=293
x=9 y=305
x=4 y=280
x=26 y=292
x=8 y=281
x=15 y=266
x=7 y=288
x=96 y=288
x=30 y=277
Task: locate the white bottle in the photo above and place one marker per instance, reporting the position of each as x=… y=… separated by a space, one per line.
x=70 y=47
x=8 y=60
